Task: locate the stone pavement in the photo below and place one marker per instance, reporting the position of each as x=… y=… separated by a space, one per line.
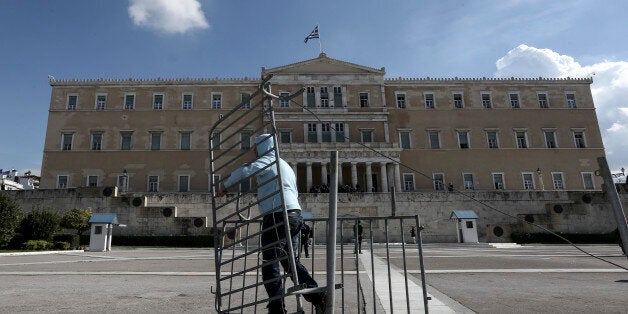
x=397 y=284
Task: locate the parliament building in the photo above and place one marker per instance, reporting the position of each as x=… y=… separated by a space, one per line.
x=413 y=134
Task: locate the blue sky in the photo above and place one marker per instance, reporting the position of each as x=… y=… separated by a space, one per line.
x=211 y=38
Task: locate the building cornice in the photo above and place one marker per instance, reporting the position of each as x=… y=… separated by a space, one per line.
x=152 y=81
x=491 y=80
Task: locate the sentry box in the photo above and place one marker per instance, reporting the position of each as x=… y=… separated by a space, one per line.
x=102 y=231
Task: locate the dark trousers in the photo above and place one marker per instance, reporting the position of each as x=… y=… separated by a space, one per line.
x=279 y=250
x=305 y=246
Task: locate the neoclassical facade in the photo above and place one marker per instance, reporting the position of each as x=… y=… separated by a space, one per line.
x=152 y=135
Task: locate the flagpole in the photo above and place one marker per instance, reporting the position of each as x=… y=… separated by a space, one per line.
x=320 y=46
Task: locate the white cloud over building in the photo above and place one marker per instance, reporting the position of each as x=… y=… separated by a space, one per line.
x=167 y=16
x=609 y=89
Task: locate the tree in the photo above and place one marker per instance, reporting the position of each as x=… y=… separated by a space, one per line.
x=77 y=219
x=10 y=216
x=40 y=225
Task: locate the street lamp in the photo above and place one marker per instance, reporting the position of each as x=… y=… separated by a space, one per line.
x=125 y=175
x=538 y=171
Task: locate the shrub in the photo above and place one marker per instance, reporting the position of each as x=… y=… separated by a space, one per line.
x=526 y=237
x=10 y=217
x=36 y=245
x=61 y=245
x=170 y=241
x=77 y=219
x=72 y=239
x=40 y=225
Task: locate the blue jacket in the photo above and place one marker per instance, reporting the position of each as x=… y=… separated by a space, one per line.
x=265 y=145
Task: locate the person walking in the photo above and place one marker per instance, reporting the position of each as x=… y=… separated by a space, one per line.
x=306 y=235
x=274 y=236
x=357 y=233
x=413 y=234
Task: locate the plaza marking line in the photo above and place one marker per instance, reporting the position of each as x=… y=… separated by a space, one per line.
x=318 y=273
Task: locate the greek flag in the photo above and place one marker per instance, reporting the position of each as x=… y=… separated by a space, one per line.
x=312 y=35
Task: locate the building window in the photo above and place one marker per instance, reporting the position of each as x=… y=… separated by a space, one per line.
x=528 y=181
x=184 y=183
x=571 y=100
x=468 y=181
x=245 y=186
x=439 y=181
x=66 y=141
x=216 y=139
x=550 y=139
x=158 y=101
x=153 y=184
x=245 y=140
x=217 y=183
x=340 y=132
x=129 y=101
x=312 y=136
x=401 y=100
x=62 y=182
x=491 y=138
x=324 y=97
x=429 y=100
x=578 y=137
x=458 y=101
x=521 y=137
x=284 y=103
x=101 y=101
x=557 y=179
x=92 y=181
x=543 y=103
x=367 y=136
x=216 y=101
x=486 y=100
x=338 y=97
x=408 y=182
x=246 y=100
x=97 y=141
x=155 y=140
x=125 y=140
x=285 y=137
x=187 y=101
x=123 y=183
x=404 y=139
x=434 y=137
x=587 y=181
x=498 y=181
x=97 y=229
x=310 y=97
x=326 y=132
x=463 y=139
x=186 y=140
x=72 y=100
x=514 y=100
x=364 y=100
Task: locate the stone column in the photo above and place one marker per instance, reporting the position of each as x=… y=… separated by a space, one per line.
x=324 y=173
x=369 y=178
x=308 y=174
x=354 y=174
x=339 y=173
x=383 y=176
x=294 y=168
x=398 y=186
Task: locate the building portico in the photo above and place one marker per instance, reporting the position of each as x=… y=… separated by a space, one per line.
x=361 y=169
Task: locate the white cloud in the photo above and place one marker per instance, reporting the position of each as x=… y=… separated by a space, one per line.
x=168 y=16
x=609 y=89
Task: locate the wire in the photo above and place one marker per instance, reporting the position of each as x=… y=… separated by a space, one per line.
x=460 y=193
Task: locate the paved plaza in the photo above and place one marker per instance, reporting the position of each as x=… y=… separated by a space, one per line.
x=460 y=278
